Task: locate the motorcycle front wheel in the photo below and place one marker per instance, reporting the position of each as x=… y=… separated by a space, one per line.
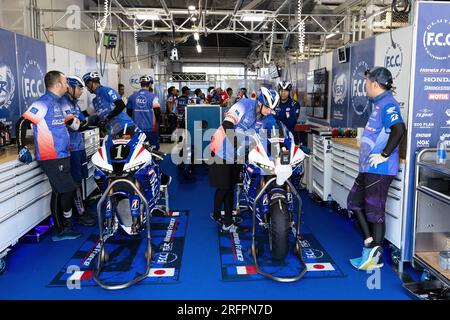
x=279 y=230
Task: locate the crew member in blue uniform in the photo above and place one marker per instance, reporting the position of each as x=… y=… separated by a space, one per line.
x=288 y=110
x=224 y=171
x=52 y=148
x=108 y=105
x=145 y=110
x=378 y=166
x=78 y=159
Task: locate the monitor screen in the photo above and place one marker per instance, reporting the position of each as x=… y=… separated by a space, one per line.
x=342 y=54
x=320 y=80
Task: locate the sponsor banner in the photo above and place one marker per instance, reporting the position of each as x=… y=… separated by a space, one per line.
x=9 y=86
x=340 y=92
x=32 y=67
x=395 y=55
x=429 y=111
x=362 y=58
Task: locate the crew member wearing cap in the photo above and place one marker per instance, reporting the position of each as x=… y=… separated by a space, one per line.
x=181 y=104
x=144 y=108
x=378 y=165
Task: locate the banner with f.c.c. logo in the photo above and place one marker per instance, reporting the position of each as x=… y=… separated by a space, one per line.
x=9 y=92
x=340 y=89
x=32 y=67
x=429 y=111
x=362 y=56
x=393 y=51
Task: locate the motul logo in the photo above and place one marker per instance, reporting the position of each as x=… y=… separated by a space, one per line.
x=438 y=96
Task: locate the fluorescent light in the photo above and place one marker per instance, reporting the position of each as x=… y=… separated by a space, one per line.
x=147 y=16
x=331 y=35
x=191 y=8
x=194 y=19
x=199 y=48
x=196 y=36
x=253 y=17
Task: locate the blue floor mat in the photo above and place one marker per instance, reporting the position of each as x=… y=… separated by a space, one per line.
x=237 y=263
x=30 y=267
x=127 y=255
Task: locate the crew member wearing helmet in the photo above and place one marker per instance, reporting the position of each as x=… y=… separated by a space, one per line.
x=378 y=166
x=108 y=105
x=52 y=147
x=224 y=171
x=288 y=110
x=144 y=108
x=76 y=122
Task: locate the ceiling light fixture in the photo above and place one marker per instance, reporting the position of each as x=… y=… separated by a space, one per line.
x=191 y=8
x=253 y=17
x=331 y=35
x=199 y=48
x=196 y=36
x=147 y=16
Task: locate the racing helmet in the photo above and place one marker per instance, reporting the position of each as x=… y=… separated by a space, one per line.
x=91 y=76
x=75 y=81
x=146 y=79
x=285 y=85
x=268 y=97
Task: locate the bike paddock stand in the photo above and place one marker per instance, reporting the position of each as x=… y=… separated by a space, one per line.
x=297 y=247
x=103 y=238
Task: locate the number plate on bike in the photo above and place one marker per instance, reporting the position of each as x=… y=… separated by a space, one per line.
x=285 y=158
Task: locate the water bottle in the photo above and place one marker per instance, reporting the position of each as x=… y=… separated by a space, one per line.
x=441 y=154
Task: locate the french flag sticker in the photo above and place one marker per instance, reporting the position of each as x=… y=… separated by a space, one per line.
x=319 y=267
x=162 y=272
x=81 y=275
x=246 y=270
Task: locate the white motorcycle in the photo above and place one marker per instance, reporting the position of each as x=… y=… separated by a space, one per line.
x=269 y=192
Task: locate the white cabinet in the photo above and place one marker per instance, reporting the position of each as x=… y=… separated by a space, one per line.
x=25 y=194
x=24 y=200
x=345 y=170
x=321 y=166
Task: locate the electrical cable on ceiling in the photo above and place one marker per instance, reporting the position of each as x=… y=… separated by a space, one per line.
x=301 y=29
x=136 y=47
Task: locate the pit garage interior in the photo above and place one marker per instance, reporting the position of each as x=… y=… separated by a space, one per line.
x=320 y=47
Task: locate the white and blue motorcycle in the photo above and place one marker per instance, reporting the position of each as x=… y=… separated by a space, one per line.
x=273 y=168
x=129 y=180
